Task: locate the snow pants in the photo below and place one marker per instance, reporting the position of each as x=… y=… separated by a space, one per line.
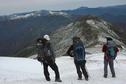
x=80 y=67
x=53 y=67
x=111 y=65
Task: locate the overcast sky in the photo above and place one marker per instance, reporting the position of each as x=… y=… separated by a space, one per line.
x=16 y=6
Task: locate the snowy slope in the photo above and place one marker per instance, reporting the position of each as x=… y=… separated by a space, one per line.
x=29 y=71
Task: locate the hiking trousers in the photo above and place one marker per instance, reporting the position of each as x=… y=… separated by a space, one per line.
x=80 y=67
x=53 y=67
x=111 y=65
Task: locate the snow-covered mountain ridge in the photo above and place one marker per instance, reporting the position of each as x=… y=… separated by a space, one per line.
x=91 y=29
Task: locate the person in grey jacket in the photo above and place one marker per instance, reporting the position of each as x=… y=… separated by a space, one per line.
x=47 y=57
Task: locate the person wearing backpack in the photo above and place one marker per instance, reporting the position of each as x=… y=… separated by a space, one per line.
x=47 y=58
x=77 y=51
x=110 y=52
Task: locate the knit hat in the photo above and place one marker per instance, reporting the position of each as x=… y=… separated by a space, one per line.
x=108 y=38
x=46 y=37
x=75 y=37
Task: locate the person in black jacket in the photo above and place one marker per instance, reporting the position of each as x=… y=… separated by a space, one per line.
x=47 y=58
x=79 y=63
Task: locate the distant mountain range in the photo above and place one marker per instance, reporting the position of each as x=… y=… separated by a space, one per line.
x=18 y=31
x=113 y=14
x=21 y=30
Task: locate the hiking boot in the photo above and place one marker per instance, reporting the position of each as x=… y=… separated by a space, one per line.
x=113 y=76
x=79 y=79
x=58 y=80
x=48 y=79
x=86 y=78
x=105 y=75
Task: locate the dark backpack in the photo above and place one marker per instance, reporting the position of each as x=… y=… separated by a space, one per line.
x=48 y=54
x=79 y=52
x=111 y=49
x=47 y=51
x=111 y=52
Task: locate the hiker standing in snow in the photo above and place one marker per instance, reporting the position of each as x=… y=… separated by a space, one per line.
x=47 y=57
x=77 y=51
x=110 y=52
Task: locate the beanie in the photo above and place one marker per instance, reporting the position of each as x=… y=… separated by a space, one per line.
x=46 y=37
